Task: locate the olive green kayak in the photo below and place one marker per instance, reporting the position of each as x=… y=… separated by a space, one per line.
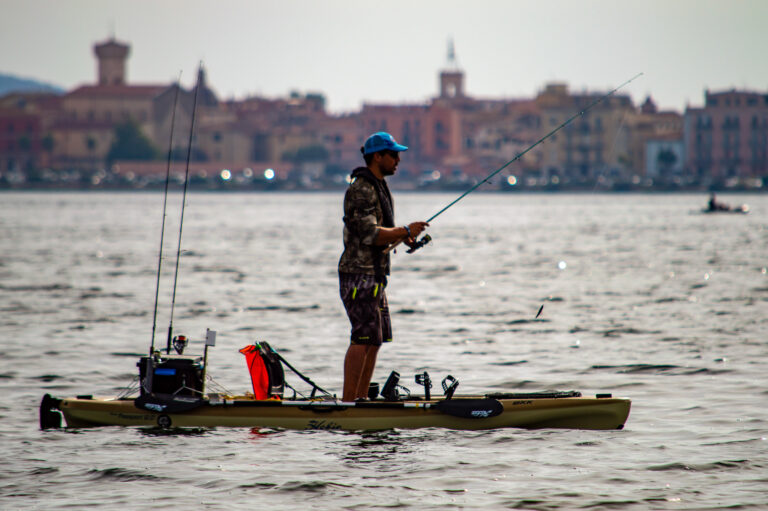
x=500 y=410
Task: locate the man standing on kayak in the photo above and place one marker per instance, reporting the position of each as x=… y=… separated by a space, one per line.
x=369 y=227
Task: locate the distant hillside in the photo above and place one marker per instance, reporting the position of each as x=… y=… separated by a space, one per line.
x=10 y=83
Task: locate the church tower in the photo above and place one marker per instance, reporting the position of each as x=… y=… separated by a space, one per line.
x=451 y=78
x=111 y=56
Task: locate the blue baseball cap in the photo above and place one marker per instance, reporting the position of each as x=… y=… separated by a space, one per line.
x=381 y=141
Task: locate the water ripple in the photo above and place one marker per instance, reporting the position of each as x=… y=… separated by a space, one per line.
x=120 y=474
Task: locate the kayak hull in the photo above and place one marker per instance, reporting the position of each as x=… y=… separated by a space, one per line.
x=531 y=413
x=739 y=210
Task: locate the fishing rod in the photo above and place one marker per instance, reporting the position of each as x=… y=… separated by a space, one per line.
x=165 y=202
x=426 y=239
x=183 y=203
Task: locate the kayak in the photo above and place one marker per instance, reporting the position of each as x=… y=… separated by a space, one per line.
x=500 y=410
x=172 y=393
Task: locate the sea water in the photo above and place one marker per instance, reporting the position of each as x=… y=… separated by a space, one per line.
x=644 y=297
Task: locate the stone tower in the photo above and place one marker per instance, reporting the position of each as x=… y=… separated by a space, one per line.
x=112 y=56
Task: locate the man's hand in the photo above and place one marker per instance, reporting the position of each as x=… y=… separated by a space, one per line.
x=393 y=236
x=415 y=229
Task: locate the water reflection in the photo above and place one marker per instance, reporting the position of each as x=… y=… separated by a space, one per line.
x=177 y=432
x=394 y=449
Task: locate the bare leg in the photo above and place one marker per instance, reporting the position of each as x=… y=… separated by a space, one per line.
x=353 y=368
x=367 y=372
x=358 y=370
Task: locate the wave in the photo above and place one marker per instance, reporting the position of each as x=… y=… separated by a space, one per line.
x=659 y=368
x=28 y=288
x=618 y=332
x=47 y=377
x=527 y=321
x=310 y=486
x=120 y=474
x=284 y=308
x=410 y=311
x=98 y=293
x=702 y=467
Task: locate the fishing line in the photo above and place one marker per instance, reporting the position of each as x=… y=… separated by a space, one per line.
x=612 y=152
x=520 y=155
x=542 y=139
x=183 y=203
x=165 y=202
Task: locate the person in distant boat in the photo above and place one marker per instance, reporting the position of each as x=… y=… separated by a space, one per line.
x=717 y=206
x=369 y=227
x=712 y=202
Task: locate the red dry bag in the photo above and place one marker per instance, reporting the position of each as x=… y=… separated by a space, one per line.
x=266 y=371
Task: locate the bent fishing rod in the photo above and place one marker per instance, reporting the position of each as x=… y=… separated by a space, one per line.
x=427 y=238
x=183 y=203
x=165 y=202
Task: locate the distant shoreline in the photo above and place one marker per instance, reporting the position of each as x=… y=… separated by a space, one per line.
x=446 y=191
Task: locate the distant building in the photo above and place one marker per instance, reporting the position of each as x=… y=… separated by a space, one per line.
x=84 y=129
x=656 y=148
x=727 y=138
x=595 y=145
x=455 y=133
x=454 y=136
x=26 y=143
x=20 y=140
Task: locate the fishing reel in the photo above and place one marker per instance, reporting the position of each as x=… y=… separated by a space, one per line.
x=423 y=241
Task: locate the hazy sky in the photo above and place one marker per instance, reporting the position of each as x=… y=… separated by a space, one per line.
x=391 y=51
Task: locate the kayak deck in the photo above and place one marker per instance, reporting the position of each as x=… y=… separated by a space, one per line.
x=531 y=411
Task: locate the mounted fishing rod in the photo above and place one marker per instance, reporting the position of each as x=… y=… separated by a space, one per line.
x=165 y=202
x=183 y=203
x=426 y=239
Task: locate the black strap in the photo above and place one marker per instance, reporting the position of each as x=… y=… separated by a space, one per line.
x=315 y=386
x=382 y=190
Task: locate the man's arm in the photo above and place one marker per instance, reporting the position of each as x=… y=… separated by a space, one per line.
x=387 y=235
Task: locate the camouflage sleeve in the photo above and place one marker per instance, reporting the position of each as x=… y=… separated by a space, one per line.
x=360 y=208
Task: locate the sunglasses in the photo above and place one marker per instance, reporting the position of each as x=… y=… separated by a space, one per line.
x=393 y=154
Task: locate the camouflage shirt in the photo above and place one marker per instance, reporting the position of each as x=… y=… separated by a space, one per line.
x=363 y=217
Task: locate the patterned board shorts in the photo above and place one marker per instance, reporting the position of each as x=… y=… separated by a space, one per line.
x=367 y=308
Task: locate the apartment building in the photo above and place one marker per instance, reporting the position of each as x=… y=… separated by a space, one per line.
x=727 y=138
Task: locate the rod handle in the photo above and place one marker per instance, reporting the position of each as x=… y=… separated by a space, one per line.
x=394 y=245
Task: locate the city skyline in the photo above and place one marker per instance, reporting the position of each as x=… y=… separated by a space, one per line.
x=506 y=49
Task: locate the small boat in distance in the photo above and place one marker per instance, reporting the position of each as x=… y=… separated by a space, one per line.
x=713 y=206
